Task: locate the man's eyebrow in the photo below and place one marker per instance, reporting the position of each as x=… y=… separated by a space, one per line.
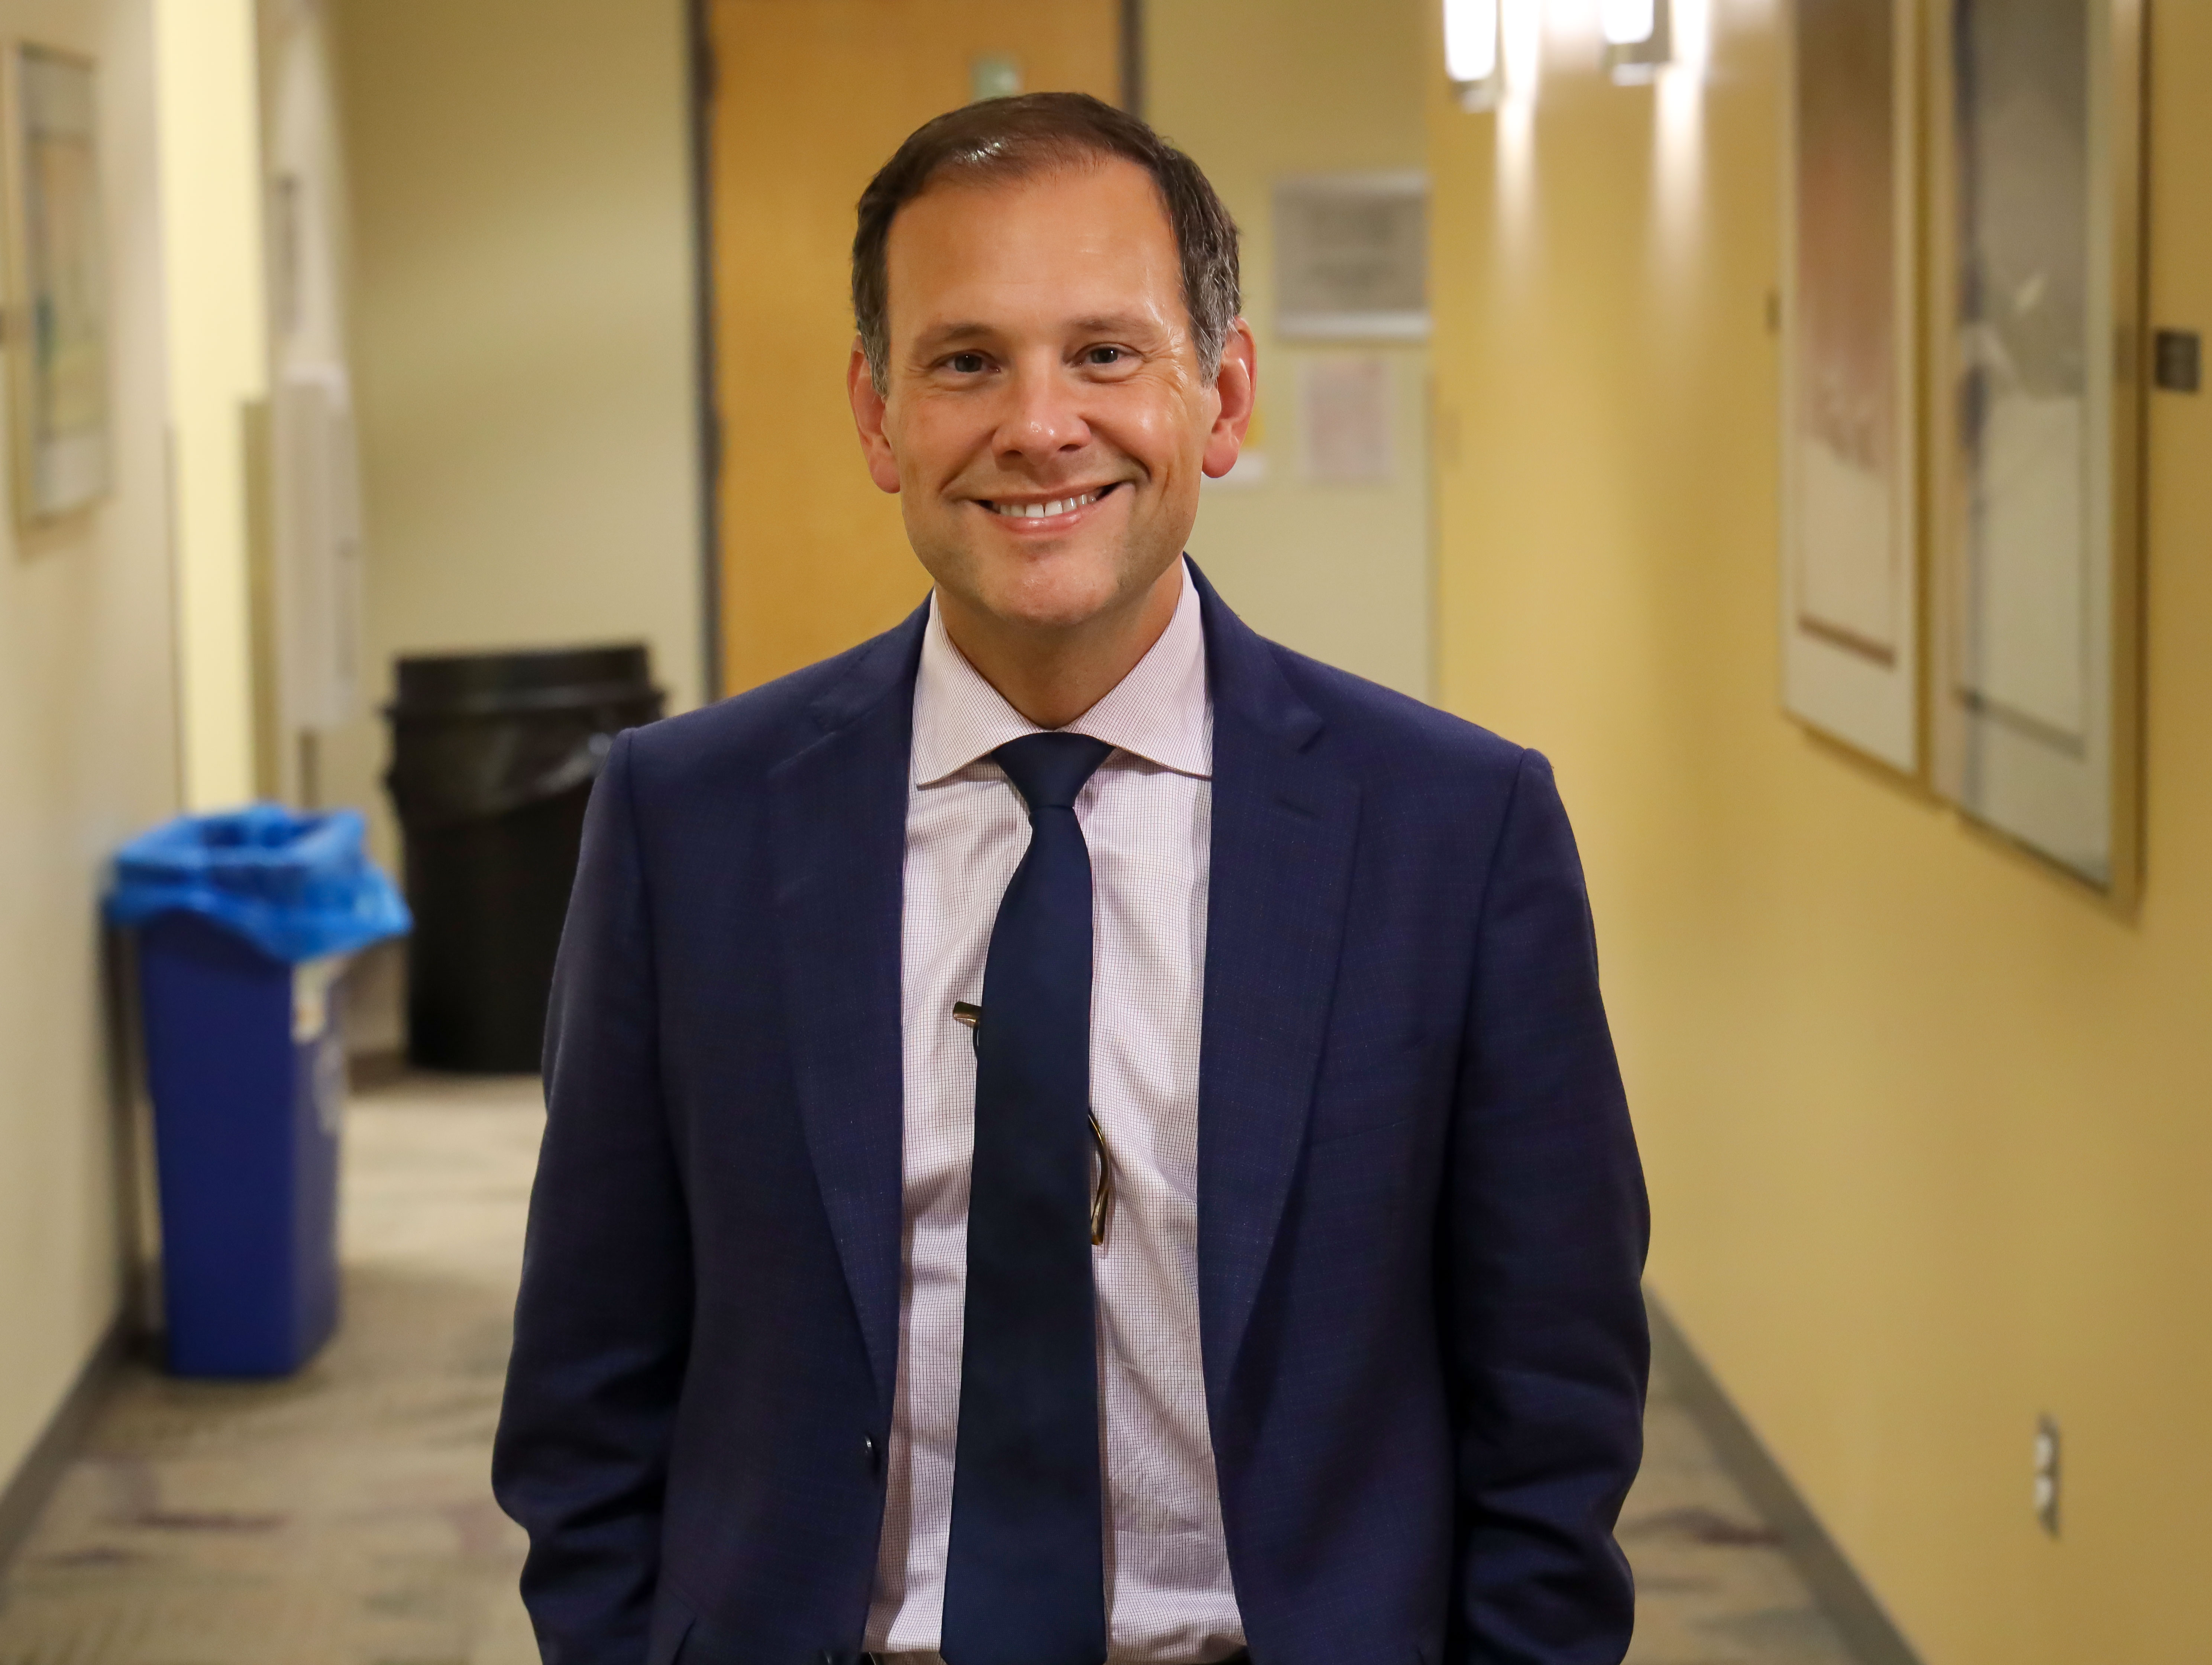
x=1113 y=323
x=936 y=338
x=955 y=331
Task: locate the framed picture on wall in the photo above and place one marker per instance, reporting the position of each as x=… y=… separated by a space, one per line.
x=1352 y=256
x=56 y=308
x=1850 y=565
x=2036 y=383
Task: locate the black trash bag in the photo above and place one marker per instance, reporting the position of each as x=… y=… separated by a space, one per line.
x=493 y=758
x=476 y=736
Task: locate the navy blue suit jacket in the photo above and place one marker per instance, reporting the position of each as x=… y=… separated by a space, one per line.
x=1421 y=1219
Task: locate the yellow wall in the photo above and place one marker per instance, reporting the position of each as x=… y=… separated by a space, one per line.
x=211 y=220
x=89 y=756
x=1256 y=89
x=1928 y=1129
x=522 y=324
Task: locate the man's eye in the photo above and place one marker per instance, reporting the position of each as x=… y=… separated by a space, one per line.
x=966 y=364
x=1105 y=355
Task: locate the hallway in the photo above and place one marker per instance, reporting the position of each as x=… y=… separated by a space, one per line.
x=1790 y=420
x=343 y=1517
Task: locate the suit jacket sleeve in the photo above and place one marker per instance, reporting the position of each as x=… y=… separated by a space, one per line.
x=1544 y=1234
x=602 y=1326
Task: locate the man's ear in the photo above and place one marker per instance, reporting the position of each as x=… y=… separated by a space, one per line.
x=1238 y=384
x=868 y=417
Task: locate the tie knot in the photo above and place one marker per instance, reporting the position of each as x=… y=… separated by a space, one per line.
x=1049 y=770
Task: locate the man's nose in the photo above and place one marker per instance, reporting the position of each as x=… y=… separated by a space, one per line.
x=1044 y=412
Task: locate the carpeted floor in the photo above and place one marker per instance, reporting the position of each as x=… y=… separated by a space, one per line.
x=343 y=1518
x=1713 y=1585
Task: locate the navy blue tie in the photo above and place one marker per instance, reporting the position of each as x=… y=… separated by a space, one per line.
x=1024 y=1572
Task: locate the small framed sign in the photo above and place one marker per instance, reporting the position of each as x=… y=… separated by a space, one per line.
x=57 y=335
x=1351 y=254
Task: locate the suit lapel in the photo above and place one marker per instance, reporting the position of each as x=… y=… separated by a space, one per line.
x=840 y=848
x=1284 y=822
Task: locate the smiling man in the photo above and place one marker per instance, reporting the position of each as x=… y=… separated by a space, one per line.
x=1074 y=1132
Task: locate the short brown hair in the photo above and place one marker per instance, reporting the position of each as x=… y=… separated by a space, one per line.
x=1007 y=138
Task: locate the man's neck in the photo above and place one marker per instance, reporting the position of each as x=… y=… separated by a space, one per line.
x=1052 y=678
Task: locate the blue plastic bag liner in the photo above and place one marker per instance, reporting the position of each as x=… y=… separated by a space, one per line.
x=297 y=887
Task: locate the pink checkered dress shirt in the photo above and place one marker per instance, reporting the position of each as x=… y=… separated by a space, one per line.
x=1146 y=816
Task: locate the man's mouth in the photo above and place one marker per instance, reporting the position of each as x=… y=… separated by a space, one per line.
x=1046 y=508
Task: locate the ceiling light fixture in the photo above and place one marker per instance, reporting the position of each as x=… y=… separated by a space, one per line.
x=1472 y=58
x=1639 y=38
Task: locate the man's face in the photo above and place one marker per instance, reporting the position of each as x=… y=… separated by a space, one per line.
x=1045 y=419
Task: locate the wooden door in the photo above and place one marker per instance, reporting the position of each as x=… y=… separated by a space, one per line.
x=807 y=100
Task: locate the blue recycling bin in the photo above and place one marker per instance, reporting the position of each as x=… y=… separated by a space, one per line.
x=245 y=921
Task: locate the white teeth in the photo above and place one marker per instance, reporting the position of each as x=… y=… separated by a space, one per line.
x=1041 y=511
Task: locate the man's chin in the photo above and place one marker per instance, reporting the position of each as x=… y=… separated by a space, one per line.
x=1051 y=615
x=1047 y=592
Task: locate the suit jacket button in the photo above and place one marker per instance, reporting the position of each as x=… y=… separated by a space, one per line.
x=874 y=1452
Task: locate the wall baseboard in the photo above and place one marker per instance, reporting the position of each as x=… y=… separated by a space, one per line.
x=1858 y=1617
x=33 y=1481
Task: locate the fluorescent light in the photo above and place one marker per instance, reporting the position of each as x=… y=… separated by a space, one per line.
x=1639 y=38
x=1471 y=41
x=1627 y=22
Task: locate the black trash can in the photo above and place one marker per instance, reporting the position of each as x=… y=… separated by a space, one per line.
x=493 y=757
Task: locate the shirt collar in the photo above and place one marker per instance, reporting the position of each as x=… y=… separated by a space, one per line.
x=1159 y=711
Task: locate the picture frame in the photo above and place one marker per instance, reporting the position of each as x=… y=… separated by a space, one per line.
x=2036 y=385
x=1351 y=255
x=56 y=316
x=1851 y=579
